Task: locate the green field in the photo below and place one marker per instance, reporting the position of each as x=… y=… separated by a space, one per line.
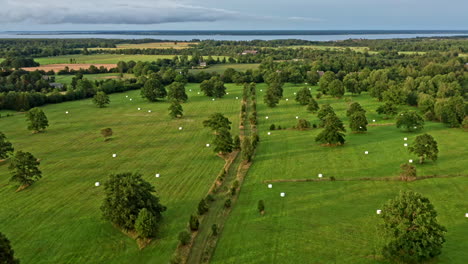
x=335 y=222
x=103 y=58
x=58 y=220
x=66 y=79
x=220 y=68
x=152 y=45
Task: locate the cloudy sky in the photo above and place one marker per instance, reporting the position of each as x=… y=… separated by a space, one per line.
x=232 y=14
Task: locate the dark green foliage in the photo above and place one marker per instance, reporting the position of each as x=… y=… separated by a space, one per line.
x=358 y=122
x=261 y=206
x=387 y=109
x=217 y=121
x=146 y=224
x=272 y=127
x=101 y=99
x=153 y=90
x=413 y=233
x=223 y=141
x=451 y=111
x=126 y=194
x=236 y=143
x=425 y=147
x=247 y=149
x=213 y=87
x=6 y=252
x=312 y=106
x=325 y=81
x=24 y=168
x=325 y=110
x=332 y=132
x=37 y=120
x=175 y=109
x=227 y=203
x=184 y=237
x=351 y=83
x=410 y=121
x=353 y=108
x=6 y=148
x=194 y=222
x=303 y=124
x=214 y=229
x=106 y=133
x=202 y=207
x=336 y=88
x=271 y=99
x=255 y=139
x=176 y=91
x=303 y=96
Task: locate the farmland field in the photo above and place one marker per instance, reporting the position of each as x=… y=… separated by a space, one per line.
x=152 y=45
x=103 y=58
x=220 y=68
x=335 y=222
x=66 y=79
x=58 y=220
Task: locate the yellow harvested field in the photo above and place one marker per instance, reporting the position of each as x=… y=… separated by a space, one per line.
x=58 y=67
x=152 y=45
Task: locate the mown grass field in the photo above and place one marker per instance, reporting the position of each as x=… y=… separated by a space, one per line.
x=152 y=45
x=335 y=222
x=58 y=220
x=220 y=68
x=103 y=58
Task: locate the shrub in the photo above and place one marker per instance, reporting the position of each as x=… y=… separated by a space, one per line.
x=194 y=222
x=272 y=127
x=184 y=237
x=227 y=203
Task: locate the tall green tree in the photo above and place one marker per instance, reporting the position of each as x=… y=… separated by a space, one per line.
x=425 y=147
x=126 y=194
x=410 y=121
x=247 y=149
x=153 y=90
x=312 y=106
x=7 y=254
x=146 y=224
x=303 y=96
x=217 y=121
x=387 y=109
x=323 y=112
x=37 y=120
x=6 y=148
x=176 y=91
x=270 y=98
x=412 y=231
x=351 y=83
x=101 y=99
x=175 y=109
x=223 y=141
x=332 y=132
x=353 y=108
x=24 y=168
x=336 y=88
x=358 y=122
x=325 y=80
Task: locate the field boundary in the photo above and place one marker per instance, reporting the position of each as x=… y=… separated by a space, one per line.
x=394 y=178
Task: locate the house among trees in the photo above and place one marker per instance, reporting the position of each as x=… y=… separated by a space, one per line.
x=56 y=85
x=320 y=73
x=203 y=64
x=253 y=52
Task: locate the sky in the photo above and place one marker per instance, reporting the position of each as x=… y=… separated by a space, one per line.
x=232 y=15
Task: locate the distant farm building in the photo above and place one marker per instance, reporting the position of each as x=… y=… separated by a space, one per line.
x=202 y=64
x=253 y=52
x=320 y=73
x=56 y=85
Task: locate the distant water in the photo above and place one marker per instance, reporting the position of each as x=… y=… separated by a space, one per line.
x=236 y=35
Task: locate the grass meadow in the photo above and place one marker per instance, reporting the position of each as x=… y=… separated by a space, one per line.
x=336 y=222
x=58 y=220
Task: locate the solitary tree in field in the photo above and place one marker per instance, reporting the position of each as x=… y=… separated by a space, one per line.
x=387 y=109
x=425 y=147
x=6 y=148
x=6 y=252
x=332 y=132
x=336 y=88
x=323 y=112
x=153 y=90
x=175 y=109
x=106 y=133
x=261 y=206
x=303 y=96
x=247 y=149
x=271 y=99
x=126 y=194
x=24 y=169
x=353 y=108
x=217 y=121
x=358 y=122
x=412 y=230
x=37 y=120
x=312 y=106
x=101 y=99
x=302 y=124
x=146 y=224
x=223 y=141
x=176 y=91
x=408 y=172
x=213 y=87
x=410 y=120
